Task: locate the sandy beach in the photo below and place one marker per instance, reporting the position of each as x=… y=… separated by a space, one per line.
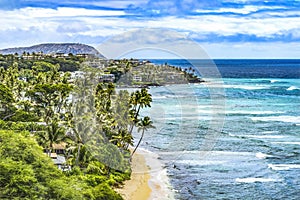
x=148 y=181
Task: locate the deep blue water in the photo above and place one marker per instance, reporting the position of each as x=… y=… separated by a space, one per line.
x=246 y=68
x=233 y=138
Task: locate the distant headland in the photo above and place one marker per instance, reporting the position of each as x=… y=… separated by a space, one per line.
x=53 y=48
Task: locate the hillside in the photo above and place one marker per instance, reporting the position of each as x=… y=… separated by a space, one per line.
x=74 y=48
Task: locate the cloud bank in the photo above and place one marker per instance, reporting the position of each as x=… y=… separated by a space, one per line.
x=235 y=26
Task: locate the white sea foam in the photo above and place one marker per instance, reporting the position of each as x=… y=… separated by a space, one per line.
x=265 y=136
x=195 y=106
x=158 y=175
x=203 y=118
x=251 y=112
x=200 y=162
x=293 y=88
x=273 y=81
x=262 y=155
x=253 y=180
x=211 y=154
x=247 y=87
x=279 y=167
x=159 y=97
x=297 y=143
x=259 y=136
x=244 y=87
x=282 y=118
x=269 y=132
x=211 y=110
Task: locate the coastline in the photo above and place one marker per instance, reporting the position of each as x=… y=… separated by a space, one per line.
x=148 y=181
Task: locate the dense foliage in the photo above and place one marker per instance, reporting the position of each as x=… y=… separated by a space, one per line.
x=27 y=173
x=71 y=64
x=42 y=107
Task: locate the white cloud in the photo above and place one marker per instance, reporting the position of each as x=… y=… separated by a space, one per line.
x=114 y=3
x=285 y=14
x=73 y=27
x=243 y=10
x=33 y=25
x=224 y=25
x=92 y=22
x=68 y=12
x=56 y=19
x=155 y=40
x=169 y=44
x=275 y=50
x=97 y=19
x=36 y=16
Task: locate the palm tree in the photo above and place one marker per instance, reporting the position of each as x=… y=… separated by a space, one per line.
x=103 y=96
x=128 y=67
x=146 y=97
x=143 y=125
x=138 y=100
x=54 y=134
x=122 y=139
x=6 y=101
x=76 y=145
x=80 y=156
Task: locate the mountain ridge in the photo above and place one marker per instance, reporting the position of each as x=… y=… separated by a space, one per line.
x=48 y=48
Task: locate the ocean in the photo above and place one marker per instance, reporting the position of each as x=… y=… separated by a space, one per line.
x=235 y=137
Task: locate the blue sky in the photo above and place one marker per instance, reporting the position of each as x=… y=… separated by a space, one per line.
x=224 y=28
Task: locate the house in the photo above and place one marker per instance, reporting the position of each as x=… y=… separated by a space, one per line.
x=77 y=74
x=58 y=157
x=107 y=78
x=60 y=148
x=137 y=78
x=97 y=63
x=60 y=55
x=28 y=57
x=84 y=55
x=149 y=64
x=60 y=162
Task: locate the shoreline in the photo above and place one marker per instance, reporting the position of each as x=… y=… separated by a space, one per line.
x=148 y=181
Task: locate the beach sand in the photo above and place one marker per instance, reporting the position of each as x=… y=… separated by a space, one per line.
x=137 y=188
x=148 y=179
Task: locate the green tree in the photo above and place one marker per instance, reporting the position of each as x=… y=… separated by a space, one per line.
x=122 y=139
x=143 y=125
x=138 y=100
x=49 y=98
x=54 y=134
x=6 y=102
x=81 y=122
x=26 y=173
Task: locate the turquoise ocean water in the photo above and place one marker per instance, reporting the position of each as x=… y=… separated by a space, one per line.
x=241 y=144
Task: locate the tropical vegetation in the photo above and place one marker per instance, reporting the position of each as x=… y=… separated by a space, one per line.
x=42 y=106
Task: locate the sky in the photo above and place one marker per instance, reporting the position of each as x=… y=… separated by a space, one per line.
x=223 y=28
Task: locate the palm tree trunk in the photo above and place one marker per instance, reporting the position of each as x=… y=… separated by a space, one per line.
x=50 y=149
x=135 y=116
x=8 y=116
x=137 y=144
x=77 y=156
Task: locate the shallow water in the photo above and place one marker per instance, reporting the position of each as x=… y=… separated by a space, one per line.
x=245 y=147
